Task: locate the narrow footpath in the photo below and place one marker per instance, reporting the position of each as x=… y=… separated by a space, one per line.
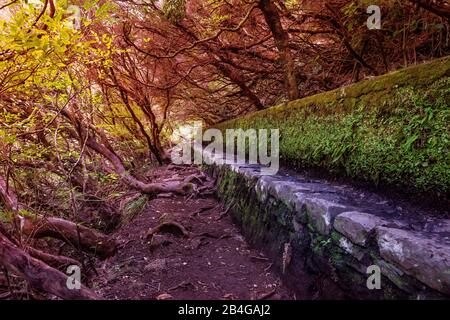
x=186 y=248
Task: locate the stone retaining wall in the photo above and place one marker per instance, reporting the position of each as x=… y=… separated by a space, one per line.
x=390 y=131
x=319 y=238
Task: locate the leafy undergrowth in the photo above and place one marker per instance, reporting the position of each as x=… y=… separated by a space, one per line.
x=392 y=130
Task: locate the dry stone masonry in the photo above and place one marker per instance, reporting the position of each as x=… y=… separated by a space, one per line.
x=337 y=232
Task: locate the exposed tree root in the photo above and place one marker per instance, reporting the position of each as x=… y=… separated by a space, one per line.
x=224 y=213
x=169 y=227
x=79 y=236
x=203 y=210
x=199 y=177
x=38 y=274
x=38 y=267
x=106 y=151
x=267 y=295
x=57 y=262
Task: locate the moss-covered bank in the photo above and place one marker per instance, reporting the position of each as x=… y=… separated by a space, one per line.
x=392 y=130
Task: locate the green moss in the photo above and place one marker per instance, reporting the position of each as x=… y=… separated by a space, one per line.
x=6 y=216
x=392 y=130
x=134 y=208
x=336 y=236
x=319 y=243
x=266 y=225
x=336 y=256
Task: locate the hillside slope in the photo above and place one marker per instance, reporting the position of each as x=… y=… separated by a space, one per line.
x=392 y=130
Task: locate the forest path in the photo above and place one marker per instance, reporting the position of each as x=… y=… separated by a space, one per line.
x=212 y=262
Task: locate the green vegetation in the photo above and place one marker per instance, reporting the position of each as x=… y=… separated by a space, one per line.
x=133 y=208
x=392 y=130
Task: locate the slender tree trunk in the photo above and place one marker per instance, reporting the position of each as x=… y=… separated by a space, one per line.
x=7 y=196
x=228 y=71
x=281 y=37
x=104 y=149
x=126 y=101
x=233 y=75
x=146 y=108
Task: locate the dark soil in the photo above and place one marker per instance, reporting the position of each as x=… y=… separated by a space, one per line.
x=199 y=253
x=212 y=262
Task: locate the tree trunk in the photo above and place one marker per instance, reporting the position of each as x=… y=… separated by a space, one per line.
x=221 y=63
x=124 y=95
x=234 y=76
x=7 y=196
x=104 y=149
x=78 y=236
x=57 y=262
x=281 y=37
x=145 y=106
x=147 y=188
x=38 y=274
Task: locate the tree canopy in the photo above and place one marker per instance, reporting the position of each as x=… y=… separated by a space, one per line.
x=91 y=90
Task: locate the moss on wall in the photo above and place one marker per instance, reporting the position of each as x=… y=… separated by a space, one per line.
x=319 y=265
x=391 y=130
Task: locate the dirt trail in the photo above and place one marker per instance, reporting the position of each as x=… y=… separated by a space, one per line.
x=212 y=262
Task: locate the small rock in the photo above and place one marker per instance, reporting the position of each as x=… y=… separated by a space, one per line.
x=156 y=265
x=357 y=225
x=322 y=212
x=426 y=259
x=164 y=296
x=159 y=240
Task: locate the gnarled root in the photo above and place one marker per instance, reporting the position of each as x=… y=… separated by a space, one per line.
x=79 y=236
x=38 y=274
x=57 y=262
x=168 y=227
